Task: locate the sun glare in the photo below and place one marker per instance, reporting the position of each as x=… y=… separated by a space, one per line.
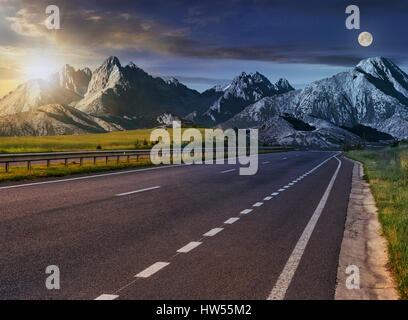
x=41 y=67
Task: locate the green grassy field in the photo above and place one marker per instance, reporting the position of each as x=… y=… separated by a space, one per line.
x=106 y=141
x=387 y=173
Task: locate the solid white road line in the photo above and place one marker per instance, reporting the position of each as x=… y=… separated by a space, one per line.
x=258 y=204
x=189 y=247
x=152 y=269
x=137 y=191
x=231 y=220
x=90 y=177
x=267 y=198
x=213 y=232
x=107 y=297
x=279 y=290
x=246 y=211
x=230 y=170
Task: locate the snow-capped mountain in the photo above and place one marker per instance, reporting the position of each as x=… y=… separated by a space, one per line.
x=370 y=99
x=130 y=98
x=373 y=94
x=35 y=93
x=243 y=91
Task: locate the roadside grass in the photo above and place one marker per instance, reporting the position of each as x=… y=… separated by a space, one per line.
x=387 y=173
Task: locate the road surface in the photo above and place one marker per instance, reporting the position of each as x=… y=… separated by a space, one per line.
x=181 y=232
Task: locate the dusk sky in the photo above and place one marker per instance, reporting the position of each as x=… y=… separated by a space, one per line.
x=202 y=43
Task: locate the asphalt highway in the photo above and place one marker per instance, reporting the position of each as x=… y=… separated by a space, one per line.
x=179 y=232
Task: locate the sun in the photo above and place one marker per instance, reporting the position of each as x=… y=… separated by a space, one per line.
x=41 y=67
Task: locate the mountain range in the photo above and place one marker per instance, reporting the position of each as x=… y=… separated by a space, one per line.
x=369 y=101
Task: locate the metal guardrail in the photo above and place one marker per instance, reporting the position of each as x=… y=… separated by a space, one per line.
x=81 y=155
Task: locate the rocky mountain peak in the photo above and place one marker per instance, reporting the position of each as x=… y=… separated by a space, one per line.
x=75 y=80
x=383 y=72
x=283 y=85
x=173 y=81
x=111 y=62
x=375 y=63
x=107 y=76
x=250 y=78
x=380 y=68
x=87 y=71
x=132 y=65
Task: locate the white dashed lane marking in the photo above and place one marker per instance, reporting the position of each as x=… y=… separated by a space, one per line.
x=213 y=232
x=137 y=191
x=281 y=190
x=267 y=198
x=275 y=194
x=226 y=171
x=246 y=211
x=231 y=220
x=189 y=247
x=258 y=204
x=107 y=297
x=152 y=269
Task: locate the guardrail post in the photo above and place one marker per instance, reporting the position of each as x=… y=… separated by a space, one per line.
x=106 y=161
x=48 y=163
x=81 y=160
x=7 y=167
x=128 y=159
x=117 y=159
x=28 y=165
x=66 y=162
x=94 y=161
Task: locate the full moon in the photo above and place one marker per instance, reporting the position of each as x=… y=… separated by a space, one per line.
x=365 y=39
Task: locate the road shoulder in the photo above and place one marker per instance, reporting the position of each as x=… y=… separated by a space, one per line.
x=364 y=246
